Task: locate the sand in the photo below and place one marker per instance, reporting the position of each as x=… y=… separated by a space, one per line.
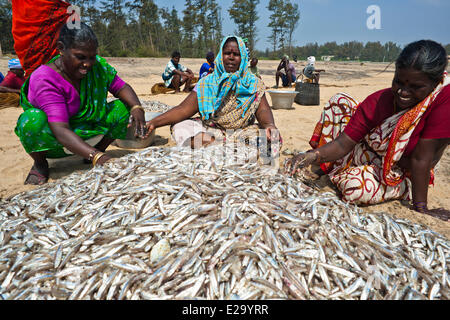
x=296 y=126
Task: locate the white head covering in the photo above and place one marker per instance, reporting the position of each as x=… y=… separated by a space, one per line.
x=14 y=64
x=311 y=60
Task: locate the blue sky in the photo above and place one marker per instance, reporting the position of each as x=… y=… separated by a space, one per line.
x=401 y=21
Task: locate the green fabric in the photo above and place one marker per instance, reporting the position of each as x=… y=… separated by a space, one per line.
x=95 y=116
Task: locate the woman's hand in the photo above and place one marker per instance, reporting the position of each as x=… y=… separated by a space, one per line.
x=299 y=161
x=104 y=158
x=273 y=132
x=138 y=118
x=149 y=127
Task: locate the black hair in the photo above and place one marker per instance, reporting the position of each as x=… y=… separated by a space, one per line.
x=230 y=39
x=71 y=37
x=210 y=55
x=176 y=54
x=426 y=56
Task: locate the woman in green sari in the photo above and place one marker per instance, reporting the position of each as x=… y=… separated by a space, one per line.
x=65 y=103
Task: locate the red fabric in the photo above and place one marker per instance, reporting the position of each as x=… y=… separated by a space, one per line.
x=35 y=29
x=12 y=81
x=434 y=123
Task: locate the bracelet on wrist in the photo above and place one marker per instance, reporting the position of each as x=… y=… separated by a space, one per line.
x=97 y=156
x=136 y=107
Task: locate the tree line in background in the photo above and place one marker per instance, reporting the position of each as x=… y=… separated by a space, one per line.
x=354 y=50
x=140 y=28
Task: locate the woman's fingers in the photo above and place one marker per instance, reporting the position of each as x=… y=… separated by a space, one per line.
x=138 y=119
x=272 y=132
x=296 y=164
x=269 y=134
x=287 y=165
x=149 y=127
x=104 y=158
x=140 y=128
x=293 y=164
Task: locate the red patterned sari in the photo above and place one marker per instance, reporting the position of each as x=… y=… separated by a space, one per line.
x=35 y=29
x=370 y=174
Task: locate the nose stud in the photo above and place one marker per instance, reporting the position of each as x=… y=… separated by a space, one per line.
x=399 y=90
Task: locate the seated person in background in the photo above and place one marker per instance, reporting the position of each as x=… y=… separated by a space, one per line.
x=11 y=84
x=310 y=72
x=386 y=147
x=65 y=104
x=229 y=99
x=14 y=78
x=207 y=67
x=175 y=74
x=254 y=68
x=286 y=71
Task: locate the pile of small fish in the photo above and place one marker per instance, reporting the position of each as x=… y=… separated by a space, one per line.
x=172 y=223
x=155 y=106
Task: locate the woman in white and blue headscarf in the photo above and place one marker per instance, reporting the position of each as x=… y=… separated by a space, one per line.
x=11 y=84
x=229 y=101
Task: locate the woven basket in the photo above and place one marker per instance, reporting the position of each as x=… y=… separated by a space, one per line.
x=308 y=94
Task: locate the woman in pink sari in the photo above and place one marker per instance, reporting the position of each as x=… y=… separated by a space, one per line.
x=386 y=147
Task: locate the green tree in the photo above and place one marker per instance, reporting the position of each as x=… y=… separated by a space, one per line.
x=115 y=38
x=6 y=38
x=350 y=50
x=244 y=14
x=278 y=23
x=292 y=19
x=171 y=31
x=373 y=51
x=391 y=51
x=188 y=27
x=328 y=49
x=145 y=13
x=206 y=23
x=215 y=31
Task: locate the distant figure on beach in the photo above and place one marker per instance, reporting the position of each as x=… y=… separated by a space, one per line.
x=285 y=71
x=65 y=105
x=254 y=68
x=208 y=66
x=175 y=74
x=11 y=84
x=386 y=147
x=229 y=101
x=310 y=72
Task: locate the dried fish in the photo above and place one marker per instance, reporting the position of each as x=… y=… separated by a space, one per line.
x=236 y=230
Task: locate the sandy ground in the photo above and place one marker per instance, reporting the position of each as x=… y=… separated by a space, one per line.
x=296 y=126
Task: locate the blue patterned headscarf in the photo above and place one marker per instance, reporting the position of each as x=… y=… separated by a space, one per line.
x=14 y=64
x=212 y=89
